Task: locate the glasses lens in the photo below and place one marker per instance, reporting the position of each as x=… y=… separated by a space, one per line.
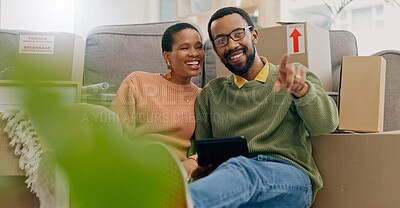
x=220 y=41
x=237 y=34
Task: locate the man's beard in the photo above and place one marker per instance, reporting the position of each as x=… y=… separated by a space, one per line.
x=249 y=62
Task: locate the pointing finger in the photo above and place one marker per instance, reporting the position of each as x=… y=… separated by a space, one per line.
x=290 y=73
x=284 y=63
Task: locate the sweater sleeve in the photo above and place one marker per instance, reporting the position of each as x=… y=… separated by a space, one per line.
x=124 y=105
x=318 y=111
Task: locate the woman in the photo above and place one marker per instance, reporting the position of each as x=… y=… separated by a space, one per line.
x=160 y=107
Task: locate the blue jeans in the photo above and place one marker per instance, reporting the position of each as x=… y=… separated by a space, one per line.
x=261 y=181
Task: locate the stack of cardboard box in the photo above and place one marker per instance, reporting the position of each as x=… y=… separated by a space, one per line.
x=359 y=166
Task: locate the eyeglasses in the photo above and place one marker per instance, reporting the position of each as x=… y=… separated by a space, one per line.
x=235 y=35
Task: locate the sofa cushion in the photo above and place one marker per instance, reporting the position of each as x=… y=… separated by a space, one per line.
x=114 y=51
x=210 y=71
x=343 y=43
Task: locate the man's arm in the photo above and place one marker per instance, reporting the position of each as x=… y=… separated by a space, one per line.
x=315 y=107
x=318 y=111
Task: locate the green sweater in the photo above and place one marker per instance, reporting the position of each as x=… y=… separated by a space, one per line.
x=274 y=124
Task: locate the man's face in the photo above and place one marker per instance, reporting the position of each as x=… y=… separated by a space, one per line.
x=238 y=56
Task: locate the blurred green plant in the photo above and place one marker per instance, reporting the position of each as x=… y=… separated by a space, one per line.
x=103 y=167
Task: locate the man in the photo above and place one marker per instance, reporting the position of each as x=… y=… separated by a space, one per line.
x=276 y=108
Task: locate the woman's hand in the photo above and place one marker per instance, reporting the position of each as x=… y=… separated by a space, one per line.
x=202 y=171
x=189 y=165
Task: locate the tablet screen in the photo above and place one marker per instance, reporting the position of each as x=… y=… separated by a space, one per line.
x=217 y=150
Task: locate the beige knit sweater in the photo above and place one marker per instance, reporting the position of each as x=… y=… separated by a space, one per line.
x=153 y=108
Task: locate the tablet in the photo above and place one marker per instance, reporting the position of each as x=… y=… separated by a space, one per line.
x=217 y=150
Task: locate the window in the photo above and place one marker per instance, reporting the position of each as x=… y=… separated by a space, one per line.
x=361 y=19
x=372 y=22
x=378 y=15
x=167 y=10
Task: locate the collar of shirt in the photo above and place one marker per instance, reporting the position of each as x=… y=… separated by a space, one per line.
x=261 y=76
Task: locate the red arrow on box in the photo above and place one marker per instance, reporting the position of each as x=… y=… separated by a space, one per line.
x=295 y=35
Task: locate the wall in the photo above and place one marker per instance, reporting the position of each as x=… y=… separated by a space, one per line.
x=91 y=13
x=78 y=16
x=40 y=15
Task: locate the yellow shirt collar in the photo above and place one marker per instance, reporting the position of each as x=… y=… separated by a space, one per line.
x=261 y=76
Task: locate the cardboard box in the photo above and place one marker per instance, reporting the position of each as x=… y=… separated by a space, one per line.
x=11 y=92
x=362 y=93
x=51 y=56
x=359 y=170
x=306 y=43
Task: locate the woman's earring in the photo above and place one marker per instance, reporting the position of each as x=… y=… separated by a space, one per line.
x=168 y=75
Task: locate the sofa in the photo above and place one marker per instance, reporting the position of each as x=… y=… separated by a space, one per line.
x=114 y=51
x=110 y=56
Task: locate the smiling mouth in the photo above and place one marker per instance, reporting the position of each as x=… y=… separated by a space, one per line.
x=193 y=63
x=235 y=54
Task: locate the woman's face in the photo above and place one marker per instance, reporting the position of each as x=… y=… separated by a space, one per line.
x=187 y=56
